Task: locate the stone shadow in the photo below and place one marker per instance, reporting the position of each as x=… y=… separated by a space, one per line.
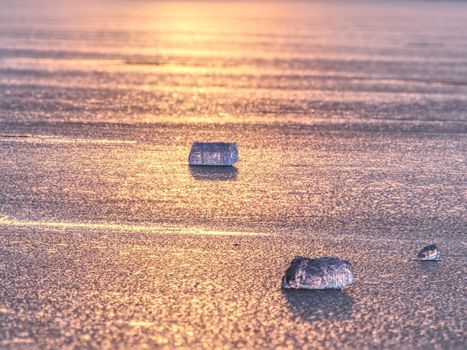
x=314 y=305
x=213 y=173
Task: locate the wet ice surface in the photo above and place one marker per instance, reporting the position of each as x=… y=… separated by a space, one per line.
x=351 y=126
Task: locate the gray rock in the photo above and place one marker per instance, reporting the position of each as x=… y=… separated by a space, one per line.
x=321 y=273
x=213 y=153
x=430 y=252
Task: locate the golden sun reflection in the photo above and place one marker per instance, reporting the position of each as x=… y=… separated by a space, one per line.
x=5 y=221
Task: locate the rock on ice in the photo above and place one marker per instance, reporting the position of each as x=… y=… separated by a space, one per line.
x=321 y=273
x=430 y=252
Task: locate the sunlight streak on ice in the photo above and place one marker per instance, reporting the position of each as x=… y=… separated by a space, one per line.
x=6 y=221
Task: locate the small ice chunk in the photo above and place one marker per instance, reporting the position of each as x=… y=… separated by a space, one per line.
x=430 y=252
x=321 y=273
x=213 y=153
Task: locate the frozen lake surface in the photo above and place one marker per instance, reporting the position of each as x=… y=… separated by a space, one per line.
x=351 y=125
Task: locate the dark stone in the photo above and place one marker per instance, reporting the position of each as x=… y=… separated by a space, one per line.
x=321 y=273
x=430 y=252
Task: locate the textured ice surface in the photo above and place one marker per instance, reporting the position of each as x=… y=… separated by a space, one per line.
x=430 y=252
x=321 y=273
x=351 y=123
x=213 y=153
